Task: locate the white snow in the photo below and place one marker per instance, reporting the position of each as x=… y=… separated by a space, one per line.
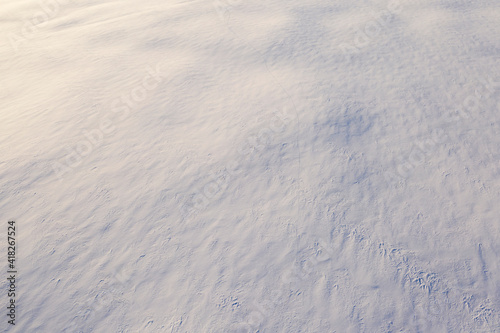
x=251 y=166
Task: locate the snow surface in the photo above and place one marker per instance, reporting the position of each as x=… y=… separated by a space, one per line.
x=252 y=166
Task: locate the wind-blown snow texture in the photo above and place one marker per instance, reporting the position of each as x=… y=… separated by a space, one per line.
x=252 y=166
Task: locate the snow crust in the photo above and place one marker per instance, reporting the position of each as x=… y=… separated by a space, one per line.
x=252 y=166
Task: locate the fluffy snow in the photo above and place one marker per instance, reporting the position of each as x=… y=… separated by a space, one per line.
x=251 y=166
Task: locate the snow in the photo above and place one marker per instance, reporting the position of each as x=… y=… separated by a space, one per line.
x=241 y=166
